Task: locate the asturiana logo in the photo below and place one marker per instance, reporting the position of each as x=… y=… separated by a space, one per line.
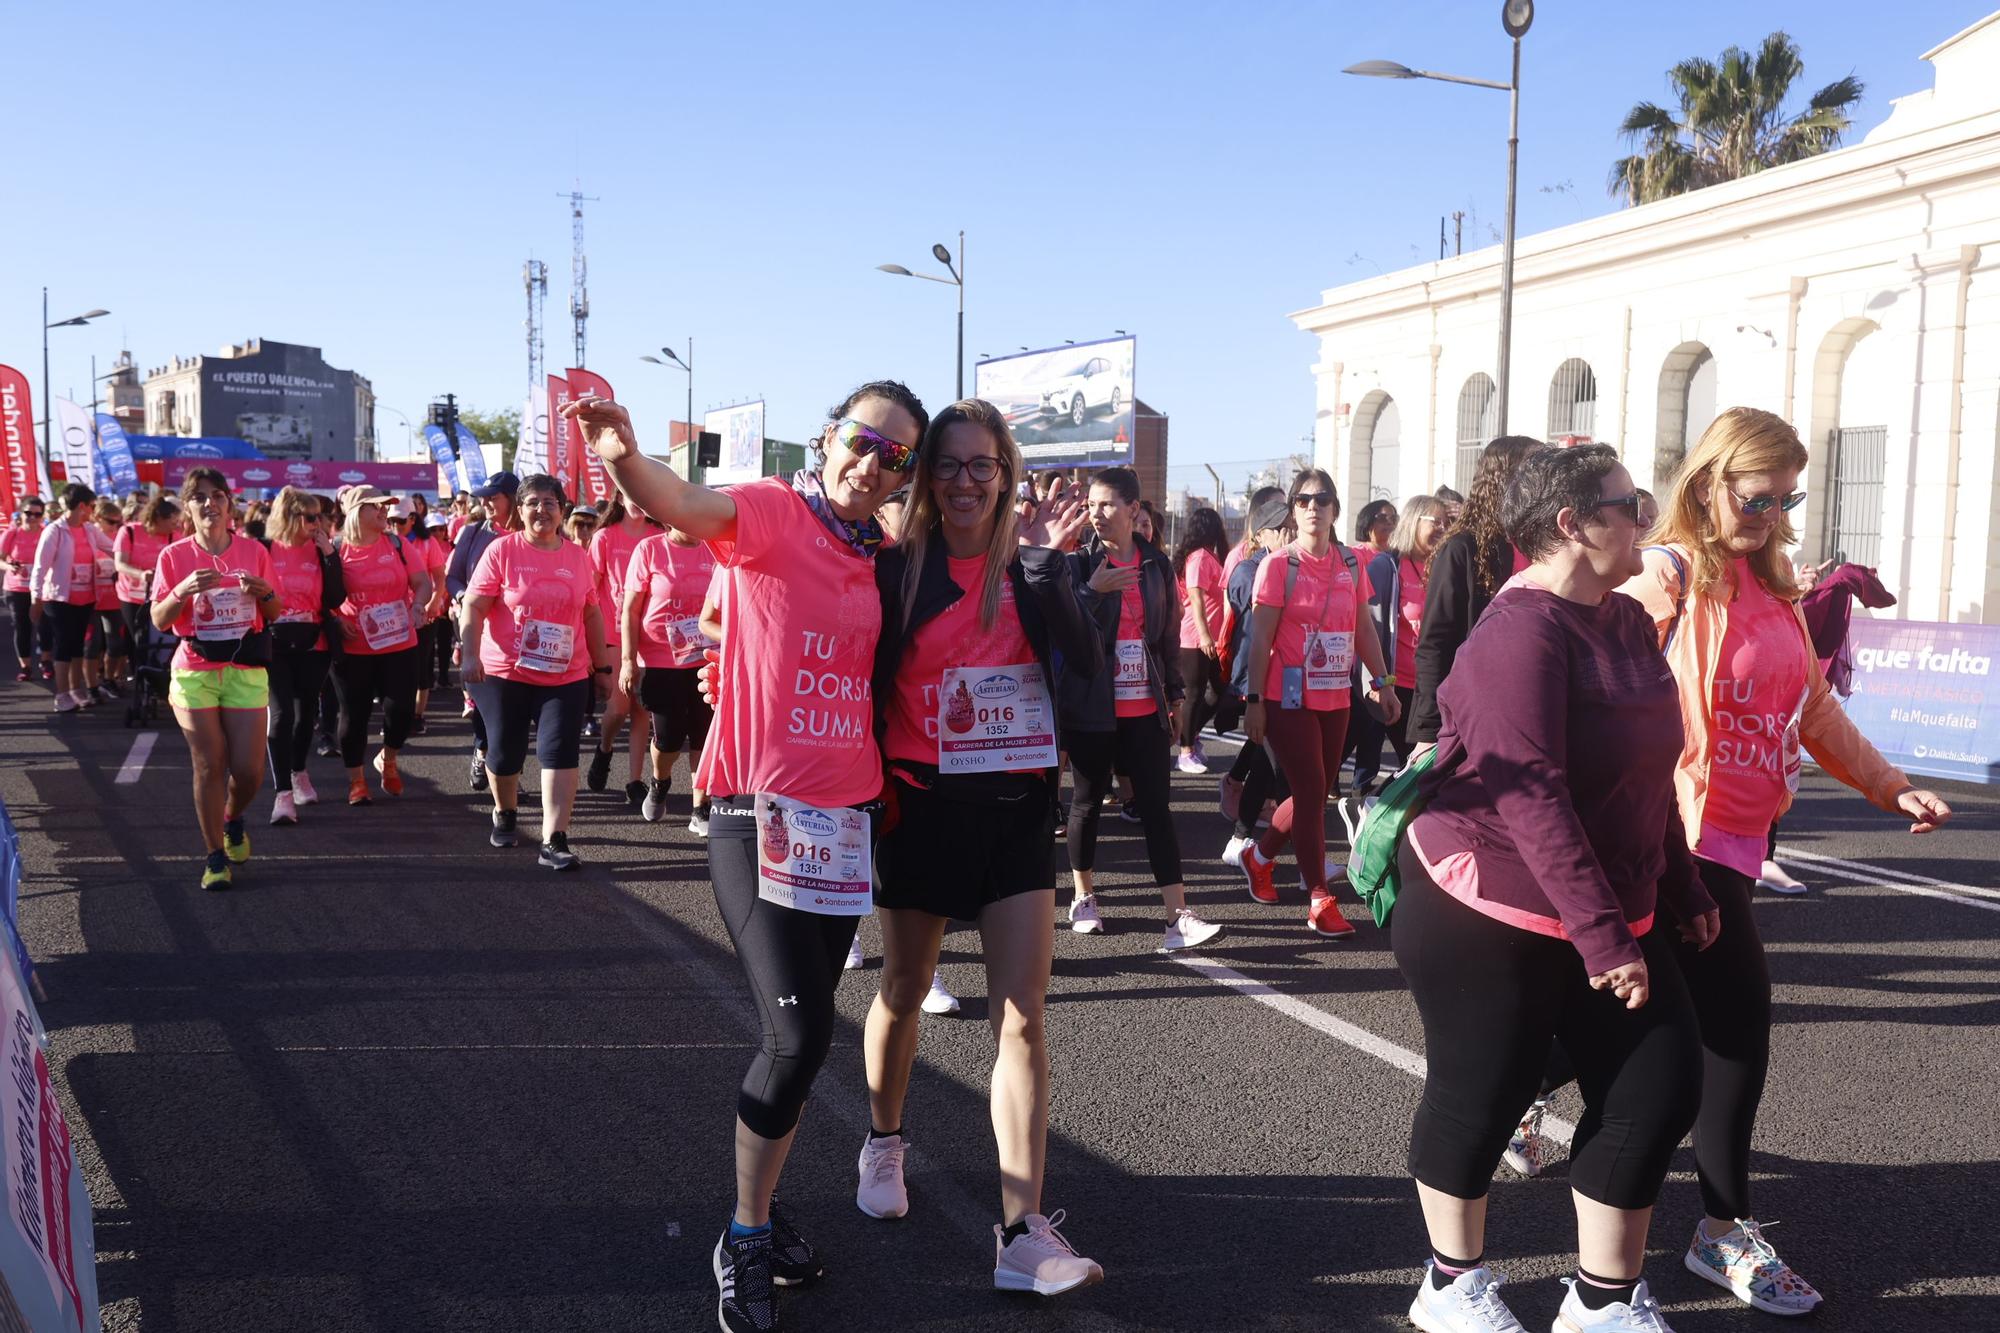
x=997 y=687
x=255 y=474
x=352 y=476
x=197 y=449
x=299 y=471
x=814 y=824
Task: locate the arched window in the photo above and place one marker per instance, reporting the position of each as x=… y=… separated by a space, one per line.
x=1478 y=421
x=1572 y=402
x=1377 y=448
x=1686 y=406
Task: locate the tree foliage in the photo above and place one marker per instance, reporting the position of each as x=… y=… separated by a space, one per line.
x=1731 y=122
x=502 y=428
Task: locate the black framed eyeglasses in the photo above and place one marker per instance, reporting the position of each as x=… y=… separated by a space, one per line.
x=1764 y=504
x=983 y=468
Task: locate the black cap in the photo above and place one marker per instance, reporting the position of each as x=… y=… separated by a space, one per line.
x=1271 y=514
x=500 y=483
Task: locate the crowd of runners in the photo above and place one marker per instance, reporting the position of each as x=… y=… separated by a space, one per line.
x=881 y=668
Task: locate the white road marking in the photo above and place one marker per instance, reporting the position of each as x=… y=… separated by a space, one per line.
x=135 y=761
x=1342 y=1031
x=1890 y=879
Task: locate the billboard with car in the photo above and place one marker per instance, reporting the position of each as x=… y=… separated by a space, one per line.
x=742 y=430
x=1068 y=406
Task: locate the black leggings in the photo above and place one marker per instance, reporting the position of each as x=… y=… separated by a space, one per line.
x=1365 y=736
x=1139 y=747
x=20 y=606
x=295 y=682
x=362 y=678
x=111 y=637
x=1731 y=986
x=1261 y=782
x=1492 y=997
x=793 y=962
x=1202 y=677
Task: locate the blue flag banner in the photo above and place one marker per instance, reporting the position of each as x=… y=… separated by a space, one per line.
x=474 y=460
x=1926 y=695
x=440 y=444
x=116 y=451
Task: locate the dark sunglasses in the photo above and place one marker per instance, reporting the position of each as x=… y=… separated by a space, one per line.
x=1764 y=504
x=982 y=468
x=1629 y=503
x=35 y=513
x=861 y=441
x=1319 y=499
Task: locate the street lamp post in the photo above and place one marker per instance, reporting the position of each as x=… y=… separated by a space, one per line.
x=957 y=279
x=1515 y=18
x=48 y=404
x=409 y=431
x=693 y=436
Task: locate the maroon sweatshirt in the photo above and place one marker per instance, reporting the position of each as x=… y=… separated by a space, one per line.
x=1561 y=727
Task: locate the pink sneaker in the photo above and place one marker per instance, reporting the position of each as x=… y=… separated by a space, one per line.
x=1041 y=1261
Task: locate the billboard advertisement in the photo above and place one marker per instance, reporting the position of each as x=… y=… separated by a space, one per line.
x=1068 y=406
x=268 y=474
x=742 y=430
x=1925 y=695
x=283 y=398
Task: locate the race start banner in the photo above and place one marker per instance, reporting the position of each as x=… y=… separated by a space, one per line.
x=1925 y=695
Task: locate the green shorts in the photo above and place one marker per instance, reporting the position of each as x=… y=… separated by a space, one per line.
x=219 y=687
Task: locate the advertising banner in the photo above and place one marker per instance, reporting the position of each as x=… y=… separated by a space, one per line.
x=1925 y=694
x=563 y=465
x=596 y=485
x=1068 y=406
x=742 y=430
x=470 y=458
x=20 y=463
x=442 y=453
x=116 y=451
x=159 y=448
x=268 y=474
x=282 y=397
x=72 y=440
x=531 y=455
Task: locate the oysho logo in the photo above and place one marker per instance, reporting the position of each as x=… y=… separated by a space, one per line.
x=997 y=687
x=814 y=824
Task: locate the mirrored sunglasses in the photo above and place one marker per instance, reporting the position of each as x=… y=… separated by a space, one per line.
x=861 y=441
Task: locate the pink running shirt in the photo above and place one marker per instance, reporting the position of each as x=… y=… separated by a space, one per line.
x=1760 y=680
x=539 y=597
x=954 y=638
x=295 y=573
x=244 y=556
x=140 y=549
x=18 y=545
x=610 y=557
x=378 y=576
x=1326 y=598
x=1202 y=571
x=674 y=577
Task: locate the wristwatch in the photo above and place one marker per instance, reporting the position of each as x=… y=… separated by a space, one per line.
x=1253 y=698
x=604 y=671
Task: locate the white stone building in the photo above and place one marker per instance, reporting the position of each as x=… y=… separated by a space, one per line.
x=1857 y=294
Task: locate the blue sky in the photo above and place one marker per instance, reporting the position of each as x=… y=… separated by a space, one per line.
x=369 y=178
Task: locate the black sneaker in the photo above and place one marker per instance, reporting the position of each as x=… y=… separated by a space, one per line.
x=635 y=792
x=600 y=770
x=794 y=1262
x=503 y=834
x=417 y=725
x=556 y=854
x=1129 y=811
x=654 y=807
x=476 y=775
x=746 y=1302
x=324 y=747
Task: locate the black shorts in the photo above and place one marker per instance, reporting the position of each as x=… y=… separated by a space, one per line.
x=72 y=622
x=953 y=858
x=680 y=715
x=509 y=706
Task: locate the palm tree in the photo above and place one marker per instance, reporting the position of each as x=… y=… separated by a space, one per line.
x=1731 y=122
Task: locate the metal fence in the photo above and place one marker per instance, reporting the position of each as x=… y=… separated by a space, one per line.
x=1860 y=458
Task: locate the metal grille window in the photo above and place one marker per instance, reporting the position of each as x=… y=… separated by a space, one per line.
x=1573 y=400
x=1478 y=420
x=1860 y=457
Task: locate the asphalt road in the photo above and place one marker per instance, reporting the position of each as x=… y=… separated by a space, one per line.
x=397 y=1080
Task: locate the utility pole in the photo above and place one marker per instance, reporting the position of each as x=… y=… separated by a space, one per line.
x=579 y=291
x=1458 y=232
x=535 y=277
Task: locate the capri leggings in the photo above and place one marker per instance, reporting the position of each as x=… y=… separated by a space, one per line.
x=1140 y=749
x=1731 y=986
x=20 y=606
x=295 y=679
x=511 y=707
x=672 y=698
x=362 y=678
x=1202 y=678
x=793 y=961
x=1306 y=743
x=111 y=635
x=1492 y=997
x=71 y=623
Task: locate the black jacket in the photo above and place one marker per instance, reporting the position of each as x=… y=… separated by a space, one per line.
x=1046 y=600
x=1086 y=702
x=1453 y=603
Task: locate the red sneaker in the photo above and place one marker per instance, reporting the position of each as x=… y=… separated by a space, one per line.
x=1324 y=918
x=1257 y=869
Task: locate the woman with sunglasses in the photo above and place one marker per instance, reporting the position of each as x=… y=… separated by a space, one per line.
x=386 y=581
x=1722 y=594
x=534 y=652
x=618 y=535
x=307 y=572
x=1309 y=627
x=17 y=554
x=974 y=610
x=1123 y=716
x=792 y=767
x=214 y=590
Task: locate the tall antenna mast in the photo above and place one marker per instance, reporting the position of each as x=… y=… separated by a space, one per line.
x=535 y=277
x=579 y=291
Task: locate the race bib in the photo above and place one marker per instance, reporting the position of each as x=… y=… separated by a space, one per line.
x=107 y=570
x=686 y=641
x=1132 y=680
x=82 y=576
x=385 y=624
x=813 y=860
x=995 y=720
x=1790 y=752
x=1329 y=659
x=223 y=613
x=547 y=646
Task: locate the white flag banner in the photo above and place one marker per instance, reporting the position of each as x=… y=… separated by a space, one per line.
x=73 y=440
x=531 y=455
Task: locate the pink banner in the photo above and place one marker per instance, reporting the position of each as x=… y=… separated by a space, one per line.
x=271 y=473
x=20 y=465
x=596 y=479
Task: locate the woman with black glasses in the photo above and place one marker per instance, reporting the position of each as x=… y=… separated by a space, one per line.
x=306 y=571
x=17 y=554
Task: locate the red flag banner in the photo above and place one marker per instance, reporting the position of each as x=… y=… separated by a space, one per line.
x=561 y=465
x=596 y=480
x=20 y=465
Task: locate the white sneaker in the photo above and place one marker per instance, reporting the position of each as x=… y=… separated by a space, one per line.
x=302 y=790
x=1232 y=851
x=1527 y=1148
x=1041 y=1261
x=1643 y=1315
x=1774 y=878
x=881 y=1192
x=698 y=823
x=855 y=958
x=1471 y=1304
x=282 y=811
x=1188 y=931
x=1083 y=918
x=1188 y=763
x=940 y=1000
x=1351 y=811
